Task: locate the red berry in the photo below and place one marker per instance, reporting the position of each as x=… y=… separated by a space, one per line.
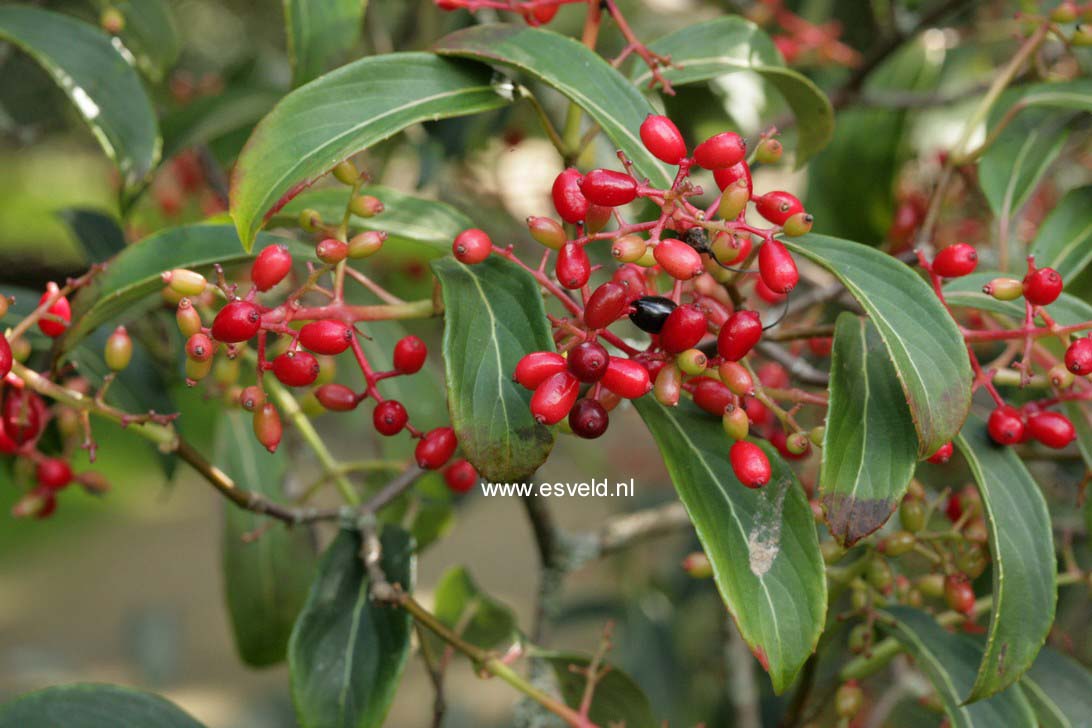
x=389 y=417
x=59 y=310
x=569 y=201
x=588 y=419
x=460 y=476
x=730 y=175
x=766 y=293
x=773 y=375
x=956 y=261
x=270 y=267
x=750 y=464
x=778 y=206
x=267 y=426
x=409 y=355
x=7 y=445
x=608 y=188
x=678 y=259
x=1052 y=429
x=554 y=398
x=24 y=415
x=588 y=361
x=821 y=346
x=1042 y=286
x=296 y=368
x=538 y=366
x=627 y=378
x=54 y=473
x=435 y=448
x=472 y=246
x=327 y=336
x=332 y=251
x=199 y=347
x=777 y=268
x=1005 y=425
x=712 y=396
x=573 y=267
x=541 y=14
x=236 y=322
x=943 y=455
x=6 y=357
x=739 y=335
x=958 y=593
x=757 y=412
x=1078 y=357
x=721 y=151
x=632 y=279
x=605 y=305
x=682 y=330
x=661 y=137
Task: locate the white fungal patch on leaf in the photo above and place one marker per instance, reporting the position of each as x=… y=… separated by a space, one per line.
x=764 y=539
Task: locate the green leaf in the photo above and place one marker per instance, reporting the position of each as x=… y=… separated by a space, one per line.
x=478 y=618
x=578 y=73
x=209 y=118
x=704 y=51
x=493 y=315
x=93 y=706
x=1059 y=689
x=347 y=652
x=921 y=338
x=869 y=446
x=617 y=699
x=150 y=34
x=265 y=580
x=762 y=543
x=1022 y=551
x=97 y=232
x=320 y=33
x=949 y=660
x=104 y=88
x=1064 y=241
x=360 y=104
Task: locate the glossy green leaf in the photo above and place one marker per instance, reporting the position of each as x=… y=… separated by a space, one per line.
x=1064 y=241
x=493 y=315
x=921 y=338
x=93 y=706
x=949 y=661
x=580 y=74
x=150 y=34
x=617 y=699
x=1060 y=690
x=104 y=88
x=477 y=617
x=869 y=445
x=360 y=104
x=266 y=580
x=319 y=33
x=762 y=543
x=347 y=652
x=730 y=44
x=97 y=232
x=208 y=118
x=1023 y=563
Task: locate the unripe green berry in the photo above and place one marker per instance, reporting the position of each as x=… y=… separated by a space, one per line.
x=1004 y=289
x=769 y=151
x=189 y=321
x=816 y=435
x=912 y=515
x=112 y=21
x=735 y=422
x=1064 y=12
x=728 y=248
x=5 y=303
x=648 y=259
x=226 y=371
x=346 y=173
x=327 y=370
x=365 y=206
x=736 y=377
x=899 y=543
x=628 y=248
x=848 y=700
x=185 y=282
x=310 y=220
x=860 y=638
x=119 y=349
x=692 y=362
x=366 y=244
x=547 y=232
x=798 y=224
x=832 y=551
x=931 y=585
x=197 y=369
x=20 y=349
x=878 y=573
x=1082 y=36
x=1061 y=377
x=733 y=200
x=697 y=565
x=797 y=443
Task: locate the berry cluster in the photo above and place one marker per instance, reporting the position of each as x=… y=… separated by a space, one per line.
x=803 y=42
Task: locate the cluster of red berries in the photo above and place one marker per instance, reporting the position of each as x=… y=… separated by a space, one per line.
x=803 y=42
x=698 y=335
x=533 y=12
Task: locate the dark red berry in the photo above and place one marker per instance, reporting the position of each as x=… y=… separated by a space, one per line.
x=270 y=267
x=569 y=201
x=236 y=322
x=573 y=267
x=389 y=417
x=24 y=415
x=1042 y=286
x=1052 y=429
x=460 y=476
x=605 y=305
x=627 y=378
x=588 y=419
x=435 y=448
x=538 y=366
x=730 y=175
x=588 y=361
x=49 y=323
x=472 y=246
x=650 y=313
x=661 y=137
x=554 y=398
x=1005 y=425
x=53 y=473
x=1078 y=357
x=943 y=455
x=296 y=368
x=739 y=335
x=409 y=355
x=956 y=261
x=632 y=279
x=750 y=464
x=777 y=268
x=608 y=188
x=327 y=336
x=712 y=396
x=678 y=259
x=6 y=357
x=683 y=329
x=199 y=347
x=721 y=151
x=958 y=593
x=336 y=397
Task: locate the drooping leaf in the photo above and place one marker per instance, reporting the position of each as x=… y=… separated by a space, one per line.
x=104 y=88
x=578 y=73
x=730 y=44
x=1059 y=689
x=266 y=580
x=948 y=661
x=1064 y=241
x=97 y=232
x=360 y=104
x=617 y=699
x=921 y=338
x=93 y=706
x=347 y=652
x=320 y=33
x=1023 y=563
x=869 y=446
x=150 y=34
x=762 y=543
x=493 y=315
x=206 y=119
x=478 y=618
